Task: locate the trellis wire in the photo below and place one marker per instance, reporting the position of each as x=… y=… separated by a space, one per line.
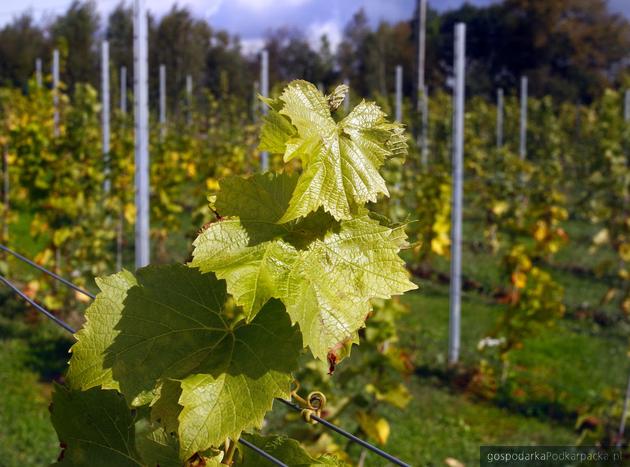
x=66 y=282
x=456 y=217
x=37 y=306
x=262 y=453
x=347 y=435
x=66 y=326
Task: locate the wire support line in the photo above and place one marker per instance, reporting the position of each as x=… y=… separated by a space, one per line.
x=345 y=434
x=37 y=306
x=264 y=454
x=71 y=330
x=47 y=271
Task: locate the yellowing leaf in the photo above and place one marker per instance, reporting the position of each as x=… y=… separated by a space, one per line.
x=500 y=207
x=541 y=231
x=397 y=396
x=440 y=244
x=519 y=279
x=130 y=213
x=602 y=237
x=376 y=428
x=212 y=184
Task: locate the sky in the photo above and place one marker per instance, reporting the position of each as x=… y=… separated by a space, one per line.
x=251 y=19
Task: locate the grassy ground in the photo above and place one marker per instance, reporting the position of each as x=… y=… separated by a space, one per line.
x=565 y=370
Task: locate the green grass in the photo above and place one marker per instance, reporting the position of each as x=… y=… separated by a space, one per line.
x=26 y=436
x=439 y=424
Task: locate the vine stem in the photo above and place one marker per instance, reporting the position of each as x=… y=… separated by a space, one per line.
x=229 y=453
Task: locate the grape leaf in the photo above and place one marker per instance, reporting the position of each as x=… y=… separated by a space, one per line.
x=87 y=363
x=247 y=247
x=340 y=161
x=284 y=449
x=252 y=272
x=325 y=272
x=329 y=288
x=240 y=389
x=165 y=406
x=172 y=326
x=336 y=98
x=95 y=428
x=156 y=446
x=276 y=129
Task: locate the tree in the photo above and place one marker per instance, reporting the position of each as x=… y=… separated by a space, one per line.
x=21 y=43
x=571 y=49
x=181 y=43
x=75 y=35
x=119 y=33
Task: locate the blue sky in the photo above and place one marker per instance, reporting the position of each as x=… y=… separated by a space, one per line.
x=250 y=19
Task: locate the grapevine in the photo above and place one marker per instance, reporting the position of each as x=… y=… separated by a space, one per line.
x=183 y=359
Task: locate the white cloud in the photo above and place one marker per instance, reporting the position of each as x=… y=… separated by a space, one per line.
x=205 y=8
x=252 y=46
x=330 y=28
x=262 y=5
x=211 y=8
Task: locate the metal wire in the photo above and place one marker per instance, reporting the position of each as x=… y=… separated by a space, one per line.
x=47 y=271
x=37 y=306
x=264 y=454
x=350 y=436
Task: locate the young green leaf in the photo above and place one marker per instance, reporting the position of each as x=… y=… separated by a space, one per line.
x=325 y=272
x=340 y=161
x=247 y=247
x=329 y=288
x=336 y=98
